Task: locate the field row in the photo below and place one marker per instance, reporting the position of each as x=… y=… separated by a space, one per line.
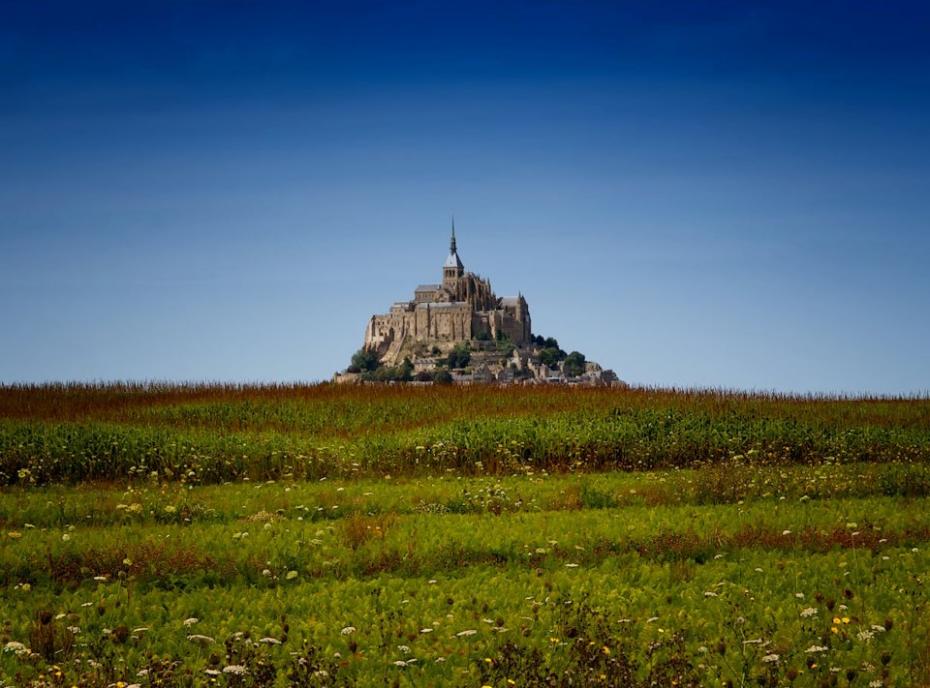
x=265 y=549
x=726 y=483
x=348 y=409
x=38 y=452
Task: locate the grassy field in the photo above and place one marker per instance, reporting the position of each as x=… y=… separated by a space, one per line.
x=342 y=536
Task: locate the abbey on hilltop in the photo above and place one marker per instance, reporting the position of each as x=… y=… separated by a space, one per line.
x=459 y=330
x=462 y=308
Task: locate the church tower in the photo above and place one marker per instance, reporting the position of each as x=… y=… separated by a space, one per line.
x=452 y=269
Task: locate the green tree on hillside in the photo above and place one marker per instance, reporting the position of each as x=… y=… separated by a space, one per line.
x=364 y=360
x=405 y=370
x=504 y=345
x=551 y=356
x=460 y=356
x=442 y=377
x=574 y=364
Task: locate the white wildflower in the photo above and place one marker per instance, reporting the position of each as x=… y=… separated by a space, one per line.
x=191 y=621
x=348 y=630
x=814 y=649
x=16 y=648
x=770 y=658
x=809 y=612
x=235 y=670
x=463 y=634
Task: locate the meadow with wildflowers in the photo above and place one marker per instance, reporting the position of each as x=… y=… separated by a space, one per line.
x=158 y=535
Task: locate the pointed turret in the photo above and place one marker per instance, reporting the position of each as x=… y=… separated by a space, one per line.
x=452 y=269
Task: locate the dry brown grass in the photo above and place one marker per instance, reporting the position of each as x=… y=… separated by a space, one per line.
x=359 y=529
x=120 y=401
x=568 y=499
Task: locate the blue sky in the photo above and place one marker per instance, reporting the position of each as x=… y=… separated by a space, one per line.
x=709 y=194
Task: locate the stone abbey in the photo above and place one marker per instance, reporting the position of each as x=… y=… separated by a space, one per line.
x=460 y=331
x=460 y=309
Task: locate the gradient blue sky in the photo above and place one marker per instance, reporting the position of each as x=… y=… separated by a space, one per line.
x=713 y=194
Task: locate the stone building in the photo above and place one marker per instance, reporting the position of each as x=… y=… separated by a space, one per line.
x=462 y=308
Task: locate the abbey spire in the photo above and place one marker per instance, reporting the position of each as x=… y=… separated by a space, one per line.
x=452 y=269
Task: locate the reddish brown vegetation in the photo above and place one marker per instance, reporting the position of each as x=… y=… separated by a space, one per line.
x=120 y=401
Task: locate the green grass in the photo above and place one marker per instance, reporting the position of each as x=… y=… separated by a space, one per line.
x=217 y=434
x=385 y=536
